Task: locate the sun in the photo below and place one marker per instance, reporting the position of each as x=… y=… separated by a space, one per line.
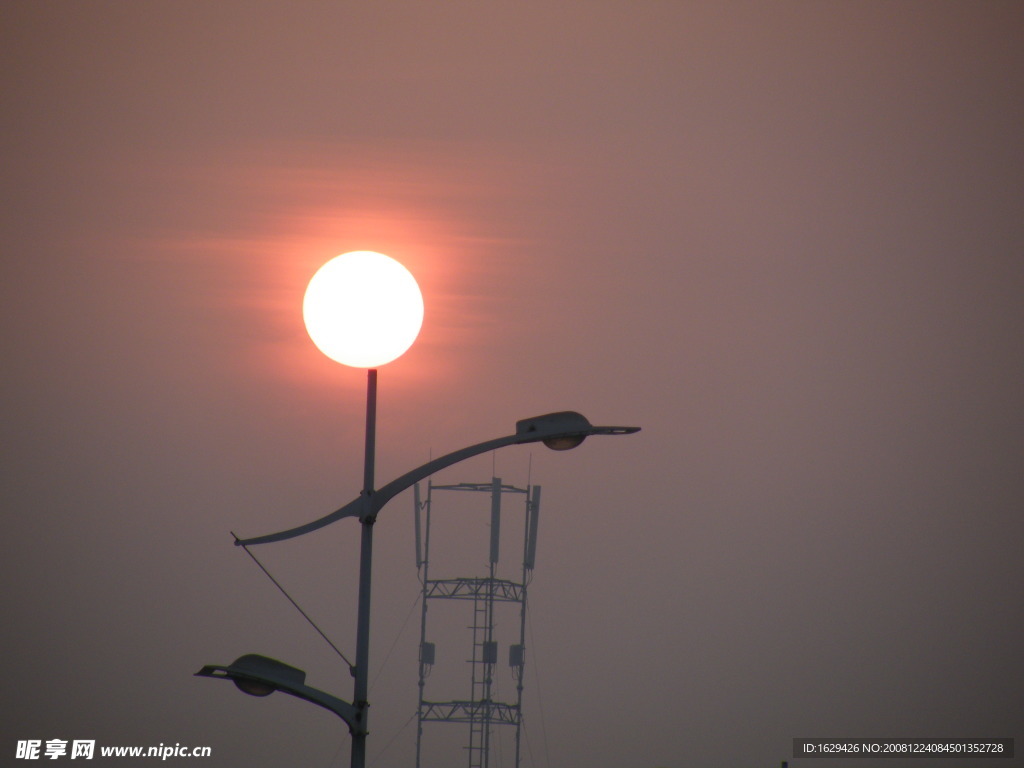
x=363 y=309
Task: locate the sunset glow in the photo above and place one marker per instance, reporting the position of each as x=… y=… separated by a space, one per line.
x=785 y=237
x=363 y=309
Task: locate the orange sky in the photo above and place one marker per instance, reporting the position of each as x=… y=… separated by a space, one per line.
x=784 y=238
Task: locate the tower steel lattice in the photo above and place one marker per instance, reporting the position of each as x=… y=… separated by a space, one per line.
x=480 y=711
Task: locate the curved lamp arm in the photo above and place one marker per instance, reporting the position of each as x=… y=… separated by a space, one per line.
x=260 y=676
x=559 y=431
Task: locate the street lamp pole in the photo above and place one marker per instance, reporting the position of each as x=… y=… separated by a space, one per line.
x=260 y=676
x=374 y=286
x=367 y=520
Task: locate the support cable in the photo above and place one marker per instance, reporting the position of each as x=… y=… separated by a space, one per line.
x=398 y=637
x=312 y=623
x=536 y=679
x=396 y=735
x=529 y=744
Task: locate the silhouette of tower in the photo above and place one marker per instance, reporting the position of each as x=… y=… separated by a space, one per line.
x=482 y=596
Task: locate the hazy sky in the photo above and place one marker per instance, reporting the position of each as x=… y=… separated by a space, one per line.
x=785 y=238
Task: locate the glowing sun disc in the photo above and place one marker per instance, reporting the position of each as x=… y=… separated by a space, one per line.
x=363 y=309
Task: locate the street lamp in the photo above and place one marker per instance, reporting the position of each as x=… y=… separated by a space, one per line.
x=261 y=676
x=353 y=298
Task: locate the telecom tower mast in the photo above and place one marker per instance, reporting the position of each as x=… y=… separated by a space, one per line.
x=479 y=710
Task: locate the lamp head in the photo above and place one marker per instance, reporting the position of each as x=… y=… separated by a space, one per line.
x=253 y=687
x=564 y=443
x=563 y=430
x=257 y=675
x=260 y=676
